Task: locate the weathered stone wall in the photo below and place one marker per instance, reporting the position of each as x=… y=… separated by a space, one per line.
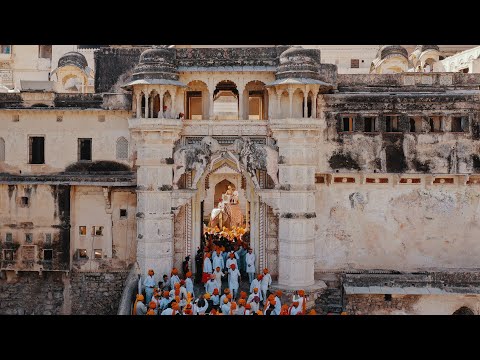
x=32 y=294
x=55 y=293
x=396 y=227
x=96 y=293
x=378 y=304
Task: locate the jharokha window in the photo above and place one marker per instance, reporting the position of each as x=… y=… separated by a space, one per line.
x=347 y=123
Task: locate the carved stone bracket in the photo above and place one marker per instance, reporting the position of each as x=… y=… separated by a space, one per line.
x=107 y=193
x=180 y=198
x=271 y=198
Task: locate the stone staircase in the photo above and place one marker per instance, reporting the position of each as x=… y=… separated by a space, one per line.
x=331 y=300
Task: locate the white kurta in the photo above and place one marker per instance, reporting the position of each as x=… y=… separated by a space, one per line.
x=233 y=276
x=266 y=281
x=189 y=286
x=256 y=284
x=250 y=261
x=218 y=279
x=141 y=308
x=207 y=265
x=226 y=309
x=254 y=306
x=215 y=299
x=218 y=261
x=295 y=310
x=211 y=285
x=230 y=262
x=173 y=280
x=278 y=305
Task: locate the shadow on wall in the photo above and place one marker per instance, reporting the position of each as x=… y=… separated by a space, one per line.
x=96 y=166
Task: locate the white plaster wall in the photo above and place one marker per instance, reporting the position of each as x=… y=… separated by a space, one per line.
x=405 y=227
x=61 y=144
x=446 y=304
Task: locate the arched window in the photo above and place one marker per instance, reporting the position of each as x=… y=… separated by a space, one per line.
x=2 y=149
x=122 y=148
x=464 y=311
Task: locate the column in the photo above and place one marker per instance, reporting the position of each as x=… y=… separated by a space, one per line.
x=210 y=104
x=305 y=105
x=155 y=220
x=147 y=102
x=241 y=105
x=160 y=114
x=139 y=105
x=172 y=111
x=290 y=98
x=279 y=104
x=314 y=105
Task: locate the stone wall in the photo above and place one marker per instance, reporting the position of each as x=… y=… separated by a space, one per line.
x=55 y=293
x=31 y=294
x=96 y=293
x=379 y=304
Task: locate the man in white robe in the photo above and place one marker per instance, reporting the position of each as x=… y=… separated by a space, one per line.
x=149 y=283
x=278 y=303
x=254 y=293
x=189 y=283
x=266 y=282
x=233 y=280
x=250 y=262
x=231 y=260
x=257 y=283
x=218 y=278
x=211 y=284
x=225 y=307
x=218 y=260
x=174 y=279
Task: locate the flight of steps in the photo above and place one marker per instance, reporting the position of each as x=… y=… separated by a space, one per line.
x=330 y=301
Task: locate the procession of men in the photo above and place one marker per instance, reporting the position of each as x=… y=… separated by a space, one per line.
x=177 y=295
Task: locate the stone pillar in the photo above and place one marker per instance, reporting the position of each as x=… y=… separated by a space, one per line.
x=305 y=105
x=172 y=110
x=210 y=103
x=296 y=139
x=160 y=113
x=314 y=105
x=139 y=105
x=155 y=220
x=290 y=102
x=279 y=105
x=147 y=101
x=241 y=105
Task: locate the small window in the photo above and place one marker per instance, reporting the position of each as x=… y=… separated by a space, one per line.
x=412 y=125
x=391 y=123
x=123 y=213
x=82 y=230
x=347 y=124
x=194 y=105
x=29 y=238
x=435 y=123
x=97 y=230
x=8 y=254
x=2 y=149
x=122 y=148
x=45 y=51
x=82 y=253
x=457 y=124
x=388 y=297
x=24 y=201
x=9 y=238
x=101 y=118
x=47 y=255
x=5 y=49
x=85 y=149
x=48 y=239
x=355 y=63
x=370 y=124
x=36 y=150
x=98 y=253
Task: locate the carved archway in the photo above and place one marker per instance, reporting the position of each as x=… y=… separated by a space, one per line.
x=463 y=311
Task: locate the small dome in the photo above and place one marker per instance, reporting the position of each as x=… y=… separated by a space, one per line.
x=422 y=48
x=157 y=63
x=392 y=50
x=73 y=58
x=297 y=62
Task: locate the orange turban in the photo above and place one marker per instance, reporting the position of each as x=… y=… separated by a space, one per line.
x=207 y=296
x=343 y=313
x=232 y=266
x=150 y=272
x=226 y=291
x=243 y=295
x=174 y=271
x=248 y=306
x=182 y=282
x=229 y=296
x=259 y=312
x=255 y=289
x=284 y=310
x=225 y=300
x=273 y=302
x=139 y=298
x=233 y=305
x=295 y=303
x=271 y=297
x=188 y=274
x=207 y=255
x=241 y=302
x=279 y=293
x=259 y=276
x=301 y=292
x=177 y=299
x=187 y=312
x=150 y=312
x=175 y=306
x=312 y=312
x=188 y=306
x=215 y=291
x=177 y=292
x=265 y=271
x=176 y=286
x=166 y=293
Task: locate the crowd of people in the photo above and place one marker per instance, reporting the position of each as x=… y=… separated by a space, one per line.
x=177 y=296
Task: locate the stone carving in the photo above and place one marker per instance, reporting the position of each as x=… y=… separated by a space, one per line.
x=193 y=157
x=255 y=156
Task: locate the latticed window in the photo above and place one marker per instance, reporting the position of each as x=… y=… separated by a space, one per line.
x=122 y=148
x=2 y=149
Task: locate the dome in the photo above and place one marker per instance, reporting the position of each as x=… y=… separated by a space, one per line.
x=297 y=62
x=73 y=58
x=422 y=48
x=157 y=63
x=392 y=50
